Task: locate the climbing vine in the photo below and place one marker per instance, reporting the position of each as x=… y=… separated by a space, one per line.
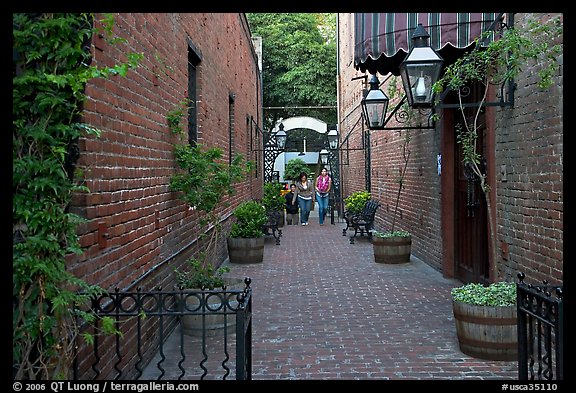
x=50 y=68
x=497 y=62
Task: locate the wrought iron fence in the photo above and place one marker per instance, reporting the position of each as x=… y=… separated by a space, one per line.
x=540 y=331
x=174 y=335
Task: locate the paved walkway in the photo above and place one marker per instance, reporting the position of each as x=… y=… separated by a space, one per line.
x=323 y=309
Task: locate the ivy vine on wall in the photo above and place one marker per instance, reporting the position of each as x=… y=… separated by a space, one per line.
x=50 y=68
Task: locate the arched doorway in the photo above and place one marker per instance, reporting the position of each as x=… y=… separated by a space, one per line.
x=311 y=149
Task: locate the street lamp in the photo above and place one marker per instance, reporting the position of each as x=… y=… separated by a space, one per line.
x=333 y=139
x=274 y=140
x=324 y=156
x=420 y=70
x=281 y=137
x=273 y=144
x=374 y=105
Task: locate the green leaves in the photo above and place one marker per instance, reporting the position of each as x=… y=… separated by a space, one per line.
x=356 y=201
x=205 y=178
x=250 y=218
x=51 y=57
x=201 y=276
x=294 y=167
x=496 y=294
x=299 y=60
x=503 y=59
x=387 y=235
x=273 y=199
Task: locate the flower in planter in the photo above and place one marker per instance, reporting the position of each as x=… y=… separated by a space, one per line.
x=356 y=201
x=496 y=294
x=273 y=198
x=486 y=320
x=386 y=235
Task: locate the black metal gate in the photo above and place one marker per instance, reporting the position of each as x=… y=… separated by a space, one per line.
x=540 y=331
x=151 y=342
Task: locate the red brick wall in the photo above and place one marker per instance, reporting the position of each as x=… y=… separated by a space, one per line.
x=349 y=96
x=128 y=167
x=530 y=200
x=529 y=204
x=419 y=203
x=419 y=210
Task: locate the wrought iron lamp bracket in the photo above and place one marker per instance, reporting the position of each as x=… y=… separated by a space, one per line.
x=270 y=150
x=402 y=117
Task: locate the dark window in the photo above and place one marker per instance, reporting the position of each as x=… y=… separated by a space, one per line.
x=253 y=141
x=193 y=62
x=230 y=127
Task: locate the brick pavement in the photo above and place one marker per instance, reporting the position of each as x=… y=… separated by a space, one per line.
x=324 y=310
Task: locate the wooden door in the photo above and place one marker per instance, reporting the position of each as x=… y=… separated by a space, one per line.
x=471 y=230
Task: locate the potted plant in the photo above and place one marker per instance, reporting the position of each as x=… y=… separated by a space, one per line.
x=199 y=280
x=246 y=240
x=395 y=246
x=391 y=247
x=486 y=320
x=273 y=200
x=205 y=178
x=201 y=276
x=355 y=202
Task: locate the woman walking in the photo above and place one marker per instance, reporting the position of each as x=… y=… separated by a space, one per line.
x=322 y=185
x=305 y=196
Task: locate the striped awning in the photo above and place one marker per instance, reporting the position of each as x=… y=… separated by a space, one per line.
x=383 y=40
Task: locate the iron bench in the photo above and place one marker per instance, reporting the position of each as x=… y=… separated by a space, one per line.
x=270 y=228
x=361 y=222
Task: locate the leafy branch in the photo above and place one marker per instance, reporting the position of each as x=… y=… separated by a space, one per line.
x=404 y=147
x=202 y=181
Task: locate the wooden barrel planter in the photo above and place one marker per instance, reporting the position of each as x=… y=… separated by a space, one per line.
x=219 y=312
x=487 y=332
x=246 y=250
x=394 y=249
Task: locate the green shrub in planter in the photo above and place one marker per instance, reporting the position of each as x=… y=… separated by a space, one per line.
x=250 y=218
x=356 y=201
x=199 y=275
x=486 y=320
x=495 y=294
x=387 y=235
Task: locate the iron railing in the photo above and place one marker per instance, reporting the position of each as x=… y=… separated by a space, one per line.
x=540 y=331
x=156 y=341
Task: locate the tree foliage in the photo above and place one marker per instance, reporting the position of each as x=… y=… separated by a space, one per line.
x=203 y=181
x=299 y=63
x=294 y=167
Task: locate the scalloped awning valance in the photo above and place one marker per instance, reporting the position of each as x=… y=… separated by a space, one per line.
x=383 y=40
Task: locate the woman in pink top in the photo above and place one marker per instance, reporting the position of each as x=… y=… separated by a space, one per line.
x=322 y=185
